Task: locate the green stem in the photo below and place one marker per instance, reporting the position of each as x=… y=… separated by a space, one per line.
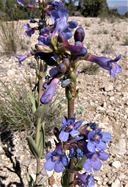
x=71 y=102
x=37 y=170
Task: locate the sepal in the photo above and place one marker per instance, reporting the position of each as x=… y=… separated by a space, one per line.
x=33 y=101
x=80 y=164
x=43 y=48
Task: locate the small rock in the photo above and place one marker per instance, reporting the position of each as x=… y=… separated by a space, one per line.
x=120 y=147
x=116 y=164
x=116 y=183
x=108 y=87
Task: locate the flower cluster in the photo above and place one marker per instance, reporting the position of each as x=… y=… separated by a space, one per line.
x=54 y=48
x=83 y=144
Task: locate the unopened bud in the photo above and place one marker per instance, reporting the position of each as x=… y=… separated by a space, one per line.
x=54 y=41
x=62 y=68
x=72 y=76
x=79 y=34
x=66 y=62
x=43 y=48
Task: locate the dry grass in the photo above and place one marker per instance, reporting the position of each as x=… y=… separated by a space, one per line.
x=10 y=37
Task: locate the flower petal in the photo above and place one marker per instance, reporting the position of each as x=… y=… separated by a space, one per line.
x=58 y=167
x=21 y=2
x=88 y=165
x=49 y=92
x=73 y=24
x=77 y=124
x=49 y=165
x=103 y=156
x=74 y=133
x=63 y=136
x=96 y=164
x=48 y=155
x=101 y=145
x=91 y=146
x=106 y=137
x=64 y=160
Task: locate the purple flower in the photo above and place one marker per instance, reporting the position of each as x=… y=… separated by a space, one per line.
x=93 y=162
x=44 y=36
x=69 y=128
x=85 y=180
x=29 y=30
x=22 y=57
x=20 y=2
x=107 y=63
x=56 y=160
x=59 y=19
x=97 y=139
x=49 y=92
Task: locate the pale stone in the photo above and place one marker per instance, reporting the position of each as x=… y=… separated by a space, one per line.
x=116 y=183
x=116 y=164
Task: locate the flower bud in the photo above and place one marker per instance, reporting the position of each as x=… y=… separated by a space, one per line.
x=72 y=76
x=43 y=48
x=79 y=34
x=66 y=62
x=62 y=68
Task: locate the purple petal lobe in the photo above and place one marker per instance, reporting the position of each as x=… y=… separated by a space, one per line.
x=73 y=24
x=64 y=160
x=106 y=137
x=49 y=165
x=103 y=156
x=88 y=165
x=77 y=124
x=96 y=164
x=101 y=146
x=63 y=136
x=74 y=133
x=91 y=146
x=58 y=167
x=21 y=2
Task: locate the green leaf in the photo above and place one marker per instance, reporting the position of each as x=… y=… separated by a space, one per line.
x=41 y=141
x=33 y=147
x=41 y=110
x=64 y=178
x=80 y=164
x=33 y=101
x=30 y=180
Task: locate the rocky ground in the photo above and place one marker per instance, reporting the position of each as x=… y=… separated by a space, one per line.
x=100 y=100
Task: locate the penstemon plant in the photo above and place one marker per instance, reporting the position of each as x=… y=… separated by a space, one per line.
x=80 y=148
